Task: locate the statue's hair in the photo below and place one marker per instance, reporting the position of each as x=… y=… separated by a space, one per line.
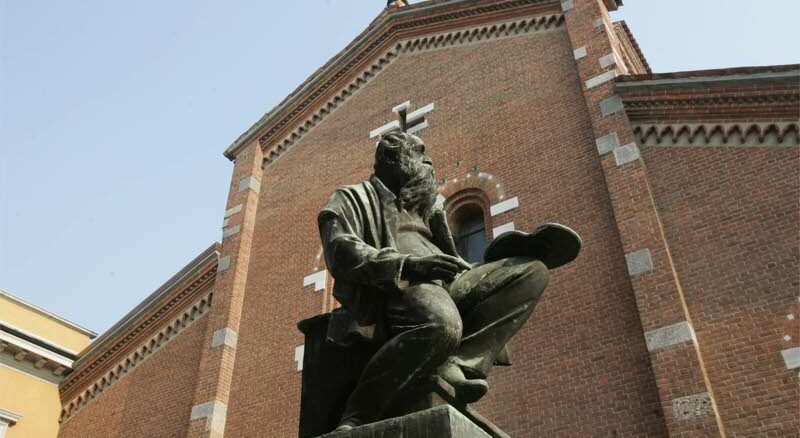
x=390 y=146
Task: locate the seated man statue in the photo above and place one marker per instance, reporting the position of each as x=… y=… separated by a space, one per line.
x=402 y=284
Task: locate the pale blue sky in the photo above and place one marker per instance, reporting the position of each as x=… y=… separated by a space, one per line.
x=114 y=116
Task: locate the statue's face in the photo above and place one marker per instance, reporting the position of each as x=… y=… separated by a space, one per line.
x=415 y=161
x=400 y=159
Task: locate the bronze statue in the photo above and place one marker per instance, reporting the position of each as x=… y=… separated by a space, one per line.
x=403 y=286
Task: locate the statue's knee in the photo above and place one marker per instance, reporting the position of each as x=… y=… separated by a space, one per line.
x=446 y=328
x=535 y=274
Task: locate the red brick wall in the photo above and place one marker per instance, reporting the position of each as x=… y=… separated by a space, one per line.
x=731 y=215
x=514 y=108
x=152 y=400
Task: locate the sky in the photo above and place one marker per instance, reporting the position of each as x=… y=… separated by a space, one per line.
x=114 y=116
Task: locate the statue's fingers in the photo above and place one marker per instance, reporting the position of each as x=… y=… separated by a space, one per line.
x=447 y=265
x=443 y=274
x=461 y=264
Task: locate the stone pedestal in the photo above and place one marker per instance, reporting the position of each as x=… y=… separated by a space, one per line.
x=440 y=422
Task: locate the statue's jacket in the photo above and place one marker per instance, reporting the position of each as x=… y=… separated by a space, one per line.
x=358 y=227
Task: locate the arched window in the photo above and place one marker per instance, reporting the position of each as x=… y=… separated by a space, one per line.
x=469 y=232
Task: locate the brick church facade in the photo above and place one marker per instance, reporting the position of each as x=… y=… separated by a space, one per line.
x=677 y=319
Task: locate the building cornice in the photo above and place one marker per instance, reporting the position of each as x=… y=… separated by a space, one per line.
x=156 y=312
x=96 y=383
x=362 y=57
x=750 y=134
x=80 y=329
x=209 y=255
x=703 y=77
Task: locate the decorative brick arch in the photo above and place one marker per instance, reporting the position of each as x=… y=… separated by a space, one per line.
x=483 y=182
x=465 y=199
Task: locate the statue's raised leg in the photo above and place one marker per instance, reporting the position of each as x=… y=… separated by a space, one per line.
x=495 y=300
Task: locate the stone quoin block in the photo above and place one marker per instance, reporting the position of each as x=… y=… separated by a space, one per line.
x=668 y=336
x=231 y=231
x=608 y=60
x=692 y=406
x=496 y=231
x=250 y=183
x=225 y=336
x=233 y=210
x=214 y=413
x=580 y=52
x=504 y=206
x=612 y=105
x=601 y=79
x=318 y=279
x=791 y=358
x=299 y=353
x=607 y=143
x=567 y=5
x=639 y=262
x=224 y=264
x=626 y=154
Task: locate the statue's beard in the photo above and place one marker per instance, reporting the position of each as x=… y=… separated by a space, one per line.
x=419 y=193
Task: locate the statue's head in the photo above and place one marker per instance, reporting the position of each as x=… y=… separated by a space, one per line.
x=403 y=165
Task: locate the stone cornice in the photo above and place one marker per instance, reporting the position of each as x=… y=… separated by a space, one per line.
x=172 y=302
x=718 y=134
x=700 y=78
x=368 y=54
x=92 y=387
x=707 y=104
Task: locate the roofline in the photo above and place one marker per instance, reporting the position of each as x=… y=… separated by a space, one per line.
x=212 y=252
x=710 y=76
x=48 y=314
x=373 y=28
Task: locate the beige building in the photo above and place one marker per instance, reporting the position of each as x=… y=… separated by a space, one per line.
x=37 y=349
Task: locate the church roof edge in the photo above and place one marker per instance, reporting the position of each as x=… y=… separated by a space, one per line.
x=688 y=78
x=377 y=25
x=210 y=253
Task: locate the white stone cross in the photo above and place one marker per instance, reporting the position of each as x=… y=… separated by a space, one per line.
x=410 y=122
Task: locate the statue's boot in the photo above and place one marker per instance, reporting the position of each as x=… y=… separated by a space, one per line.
x=468 y=390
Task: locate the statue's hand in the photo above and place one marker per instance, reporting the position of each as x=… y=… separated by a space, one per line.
x=434 y=267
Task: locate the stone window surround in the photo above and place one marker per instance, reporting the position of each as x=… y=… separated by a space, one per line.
x=7 y=419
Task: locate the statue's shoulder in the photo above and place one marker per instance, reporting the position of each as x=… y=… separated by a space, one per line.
x=358 y=193
x=364 y=188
